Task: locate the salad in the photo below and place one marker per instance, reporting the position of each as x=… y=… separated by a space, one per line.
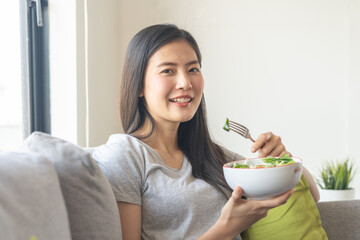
x=268 y=162
x=226 y=125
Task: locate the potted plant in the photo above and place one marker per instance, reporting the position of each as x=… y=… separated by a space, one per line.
x=334 y=181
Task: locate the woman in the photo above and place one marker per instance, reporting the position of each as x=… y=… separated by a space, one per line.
x=166 y=172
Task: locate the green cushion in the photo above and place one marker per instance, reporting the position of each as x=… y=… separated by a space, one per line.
x=299 y=219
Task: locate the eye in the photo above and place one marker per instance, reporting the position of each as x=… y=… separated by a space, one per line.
x=194 y=70
x=167 y=71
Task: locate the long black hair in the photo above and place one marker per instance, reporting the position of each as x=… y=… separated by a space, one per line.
x=205 y=157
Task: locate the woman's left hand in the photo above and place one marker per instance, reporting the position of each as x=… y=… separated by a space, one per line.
x=268 y=144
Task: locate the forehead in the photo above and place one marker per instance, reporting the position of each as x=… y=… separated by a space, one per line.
x=175 y=51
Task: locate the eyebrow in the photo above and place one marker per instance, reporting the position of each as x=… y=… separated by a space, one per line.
x=174 y=64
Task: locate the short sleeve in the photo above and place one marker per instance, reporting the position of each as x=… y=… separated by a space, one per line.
x=124 y=170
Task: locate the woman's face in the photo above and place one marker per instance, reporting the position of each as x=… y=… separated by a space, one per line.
x=173 y=83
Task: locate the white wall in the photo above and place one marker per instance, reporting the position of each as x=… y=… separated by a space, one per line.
x=290 y=67
x=103 y=69
x=63 y=69
x=354 y=88
x=85 y=70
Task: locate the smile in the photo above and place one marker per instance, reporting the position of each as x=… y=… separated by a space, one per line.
x=181 y=100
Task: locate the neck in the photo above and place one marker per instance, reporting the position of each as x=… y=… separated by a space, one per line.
x=164 y=141
x=164 y=136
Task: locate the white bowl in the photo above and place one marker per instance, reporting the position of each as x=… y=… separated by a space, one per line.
x=263 y=183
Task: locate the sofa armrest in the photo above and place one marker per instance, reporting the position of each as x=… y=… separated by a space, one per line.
x=341 y=219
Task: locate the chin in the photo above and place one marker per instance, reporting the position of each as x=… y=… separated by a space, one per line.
x=184 y=116
x=186 y=119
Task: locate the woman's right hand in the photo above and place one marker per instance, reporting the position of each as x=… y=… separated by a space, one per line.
x=239 y=214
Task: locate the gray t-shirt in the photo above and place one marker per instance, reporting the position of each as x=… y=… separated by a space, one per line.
x=175 y=204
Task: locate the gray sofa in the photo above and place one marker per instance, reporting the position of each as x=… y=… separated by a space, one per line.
x=341 y=219
x=53 y=190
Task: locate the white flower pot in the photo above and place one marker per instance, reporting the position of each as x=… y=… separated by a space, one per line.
x=336 y=195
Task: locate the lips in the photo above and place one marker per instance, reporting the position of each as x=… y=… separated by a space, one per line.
x=181 y=99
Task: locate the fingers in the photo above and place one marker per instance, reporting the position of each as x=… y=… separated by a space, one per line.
x=237 y=194
x=261 y=141
x=285 y=152
x=268 y=144
x=278 y=151
x=271 y=147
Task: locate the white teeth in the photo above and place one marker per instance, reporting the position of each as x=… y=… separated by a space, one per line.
x=180 y=100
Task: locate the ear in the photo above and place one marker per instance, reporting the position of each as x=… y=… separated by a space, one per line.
x=141 y=94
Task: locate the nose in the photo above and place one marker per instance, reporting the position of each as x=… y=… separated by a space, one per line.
x=183 y=81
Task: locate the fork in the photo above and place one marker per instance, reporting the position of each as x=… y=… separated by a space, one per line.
x=238 y=128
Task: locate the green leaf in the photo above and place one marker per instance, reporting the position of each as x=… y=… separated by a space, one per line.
x=336 y=175
x=284 y=160
x=226 y=125
x=240 y=166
